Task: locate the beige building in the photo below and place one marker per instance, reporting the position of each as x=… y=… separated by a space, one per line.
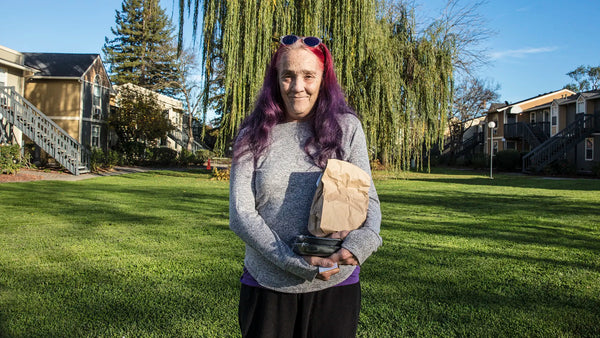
x=561 y=125
x=172 y=108
x=13 y=73
x=58 y=103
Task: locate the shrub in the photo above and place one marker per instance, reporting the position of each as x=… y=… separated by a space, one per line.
x=96 y=159
x=186 y=158
x=100 y=159
x=131 y=152
x=111 y=158
x=11 y=159
x=376 y=165
x=508 y=160
x=220 y=175
x=560 y=167
x=480 y=161
x=596 y=169
x=161 y=156
x=203 y=156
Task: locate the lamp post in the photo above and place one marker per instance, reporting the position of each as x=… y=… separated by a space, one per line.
x=491 y=125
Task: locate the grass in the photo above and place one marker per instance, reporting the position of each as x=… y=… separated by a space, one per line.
x=150 y=254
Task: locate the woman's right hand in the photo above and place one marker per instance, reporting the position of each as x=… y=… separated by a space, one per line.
x=339 y=234
x=323 y=262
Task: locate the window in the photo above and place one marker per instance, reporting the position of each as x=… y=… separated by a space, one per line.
x=532 y=118
x=589 y=149
x=3 y=82
x=97 y=99
x=581 y=106
x=95 y=136
x=3 y=77
x=495 y=147
x=554 y=112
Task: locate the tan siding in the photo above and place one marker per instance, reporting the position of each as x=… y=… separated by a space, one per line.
x=70 y=126
x=14 y=78
x=562 y=117
x=545 y=99
x=54 y=97
x=97 y=69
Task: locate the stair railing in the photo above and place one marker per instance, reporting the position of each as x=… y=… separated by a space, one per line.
x=34 y=124
x=557 y=146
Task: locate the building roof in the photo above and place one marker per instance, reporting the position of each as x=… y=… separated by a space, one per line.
x=590 y=94
x=60 y=64
x=541 y=95
x=495 y=106
x=166 y=101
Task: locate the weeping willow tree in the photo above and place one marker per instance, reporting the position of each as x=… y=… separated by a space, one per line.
x=398 y=81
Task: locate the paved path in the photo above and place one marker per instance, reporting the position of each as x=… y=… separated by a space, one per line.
x=60 y=176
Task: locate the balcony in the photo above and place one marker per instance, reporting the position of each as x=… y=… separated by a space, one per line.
x=520 y=130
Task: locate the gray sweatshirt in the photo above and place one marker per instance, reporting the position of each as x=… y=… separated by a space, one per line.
x=269 y=206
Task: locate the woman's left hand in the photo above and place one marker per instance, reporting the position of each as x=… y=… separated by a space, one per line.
x=344 y=257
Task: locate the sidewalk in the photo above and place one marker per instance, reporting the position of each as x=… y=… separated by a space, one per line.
x=25 y=175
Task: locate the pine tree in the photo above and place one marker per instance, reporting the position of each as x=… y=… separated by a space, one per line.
x=142 y=50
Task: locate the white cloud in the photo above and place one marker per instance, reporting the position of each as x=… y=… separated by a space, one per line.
x=519 y=53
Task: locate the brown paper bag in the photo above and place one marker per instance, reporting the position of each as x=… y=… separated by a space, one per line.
x=341 y=200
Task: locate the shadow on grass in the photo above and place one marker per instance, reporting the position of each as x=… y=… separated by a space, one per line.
x=516 y=181
x=543 y=220
x=163 y=299
x=478 y=293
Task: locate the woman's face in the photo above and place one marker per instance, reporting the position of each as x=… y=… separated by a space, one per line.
x=300 y=73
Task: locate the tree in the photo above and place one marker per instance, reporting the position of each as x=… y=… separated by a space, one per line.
x=585 y=77
x=466 y=27
x=188 y=87
x=139 y=118
x=399 y=80
x=141 y=51
x=471 y=98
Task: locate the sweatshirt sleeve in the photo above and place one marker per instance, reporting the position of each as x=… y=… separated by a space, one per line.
x=247 y=223
x=365 y=240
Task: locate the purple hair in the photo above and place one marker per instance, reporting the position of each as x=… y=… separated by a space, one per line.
x=324 y=117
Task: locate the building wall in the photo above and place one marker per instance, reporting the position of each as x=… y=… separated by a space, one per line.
x=498 y=135
x=60 y=100
x=11 y=55
x=14 y=78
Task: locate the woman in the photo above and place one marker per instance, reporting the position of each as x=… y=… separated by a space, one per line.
x=300 y=120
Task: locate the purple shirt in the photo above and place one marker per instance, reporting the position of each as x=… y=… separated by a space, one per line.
x=248 y=280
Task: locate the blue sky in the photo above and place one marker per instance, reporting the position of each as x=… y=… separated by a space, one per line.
x=536 y=42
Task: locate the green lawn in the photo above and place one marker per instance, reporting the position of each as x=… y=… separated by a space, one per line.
x=150 y=254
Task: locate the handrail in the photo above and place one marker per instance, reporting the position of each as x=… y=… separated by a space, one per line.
x=43 y=131
x=524 y=131
x=555 y=146
x=177 y=136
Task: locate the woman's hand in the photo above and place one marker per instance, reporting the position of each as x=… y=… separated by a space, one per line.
x=323 y=262
x=339 y=234
x=344 y=257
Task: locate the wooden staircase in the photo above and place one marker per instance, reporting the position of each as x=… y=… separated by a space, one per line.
x=181 y=138
x=558 y=145
x=16 y=111
x=470 y=143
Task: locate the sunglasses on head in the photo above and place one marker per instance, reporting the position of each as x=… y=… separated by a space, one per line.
x=310 y=41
